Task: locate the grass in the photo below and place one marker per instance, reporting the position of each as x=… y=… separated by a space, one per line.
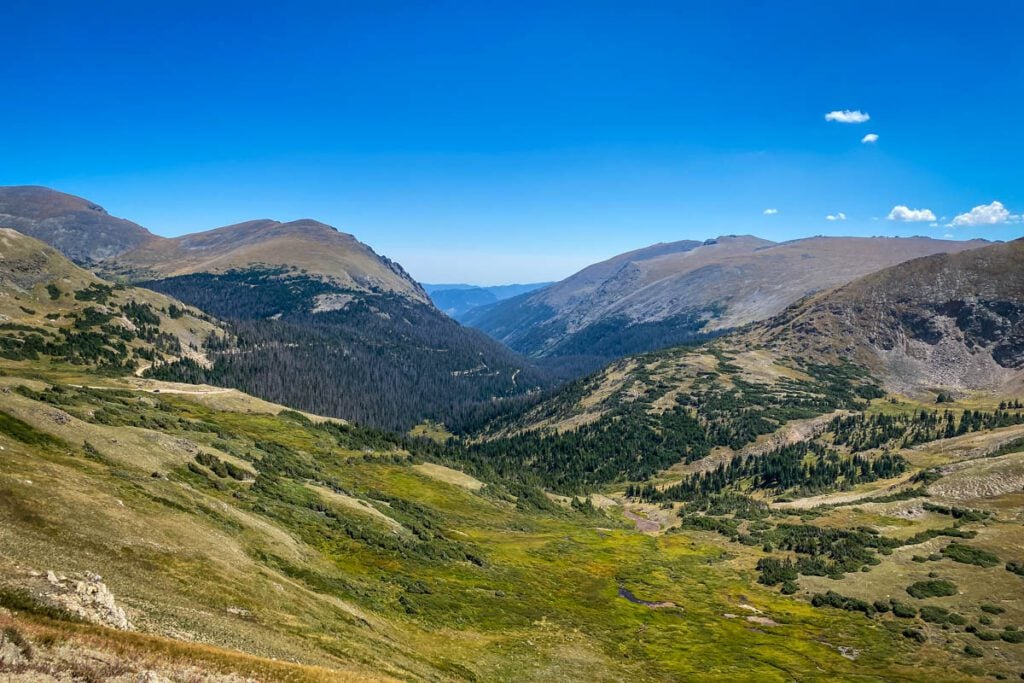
x=327 y=582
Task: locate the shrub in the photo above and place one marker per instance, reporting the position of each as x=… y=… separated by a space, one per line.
x=1012 y=636
x=915 y=635
x=833 y=599
x=934 y=615
x=903 y=610
x=932 y=588
x=1015 y=566
x=992 y=609
x=972 y=651
x=959 y=552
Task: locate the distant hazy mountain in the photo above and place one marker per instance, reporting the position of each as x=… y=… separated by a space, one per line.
x=675 y=293
x=458 y=299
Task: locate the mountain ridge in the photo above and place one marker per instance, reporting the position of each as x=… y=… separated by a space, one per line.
x=688 y=290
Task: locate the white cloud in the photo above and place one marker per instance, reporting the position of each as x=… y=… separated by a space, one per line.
x=984 y=214
x=770 y=212
x=836 y=217
x=869 y=139
x=905 y=213
x=848 y=116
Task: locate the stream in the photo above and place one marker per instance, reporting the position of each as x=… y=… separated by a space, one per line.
x=628 y=594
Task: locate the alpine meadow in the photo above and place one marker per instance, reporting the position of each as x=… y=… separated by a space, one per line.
x=726 y=382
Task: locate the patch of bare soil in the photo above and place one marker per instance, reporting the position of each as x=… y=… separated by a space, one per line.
x=643 y=524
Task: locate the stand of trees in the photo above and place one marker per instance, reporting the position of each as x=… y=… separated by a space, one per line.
x=864 y=432
x=382 y=360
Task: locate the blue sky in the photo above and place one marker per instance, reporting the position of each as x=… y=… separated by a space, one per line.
x=496 y=142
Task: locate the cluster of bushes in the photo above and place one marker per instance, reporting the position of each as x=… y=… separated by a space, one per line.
x=222 y=468
x=965 y=554
x=932 y=588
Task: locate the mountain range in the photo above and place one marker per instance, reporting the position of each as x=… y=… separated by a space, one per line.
x=359 y=338
x=458 y=299
x=681 y=292
x=841 y=474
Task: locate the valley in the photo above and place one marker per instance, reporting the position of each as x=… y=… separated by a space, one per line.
x=784 y=501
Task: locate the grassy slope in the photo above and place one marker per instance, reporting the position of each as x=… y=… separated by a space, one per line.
x=178 y=553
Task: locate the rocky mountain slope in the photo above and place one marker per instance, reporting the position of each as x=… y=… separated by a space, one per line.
x=950 y=324
x=950 y=321
x=80 y=229
x=674 y=293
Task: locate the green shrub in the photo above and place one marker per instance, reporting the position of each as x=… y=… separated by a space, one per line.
x=1012 y=636
x=972 y=651
x=935 y=615
x=932 y=588
x=903 y=610
x=959 y=552
x=992 y=609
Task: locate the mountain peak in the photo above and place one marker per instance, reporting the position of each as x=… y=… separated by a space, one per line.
x=81 y=229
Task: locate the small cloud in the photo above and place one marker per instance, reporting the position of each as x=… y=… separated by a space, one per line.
x=770 y=212
x=836 y=217
x=948 y=236
x=869 y=139
x=908 y=215
x=985 y=214
x=933 y=225
x=848 y=116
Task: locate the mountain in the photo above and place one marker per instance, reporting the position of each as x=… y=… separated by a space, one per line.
x=51 y=307
x=946 y=324
x=686 y=291
x=951 y=321
x=80 y=229
x=318 y=321
x=457 y=300
x=673 y=517
x=306 y=245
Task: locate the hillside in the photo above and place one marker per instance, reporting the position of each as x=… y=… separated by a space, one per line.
x=947 y=324
x=319 y=321
x=151 y=529
x=306 y=245
x=51 y=307
x=949 y=321
x=237 y=538
x=675 y=293
x=80 y=229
